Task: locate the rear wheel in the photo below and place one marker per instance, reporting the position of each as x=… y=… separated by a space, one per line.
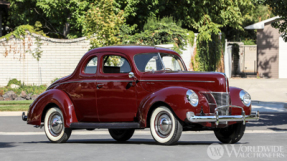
x=54 y=126
x=231 y=134
x=121 y=134
x=164 y=127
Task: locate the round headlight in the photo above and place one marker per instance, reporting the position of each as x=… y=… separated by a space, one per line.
x=192 y=98
x=245 y=98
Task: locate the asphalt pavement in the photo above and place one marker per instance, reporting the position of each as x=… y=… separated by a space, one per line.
x=19 y=141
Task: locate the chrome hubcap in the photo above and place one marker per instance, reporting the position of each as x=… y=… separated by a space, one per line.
x=55 y=124
x=163 y=124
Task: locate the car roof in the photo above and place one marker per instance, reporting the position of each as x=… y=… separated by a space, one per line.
x=131 y=50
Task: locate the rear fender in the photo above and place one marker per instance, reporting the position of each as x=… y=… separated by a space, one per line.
x=53 y=96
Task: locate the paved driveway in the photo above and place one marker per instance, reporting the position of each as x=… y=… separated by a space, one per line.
x=266 y=90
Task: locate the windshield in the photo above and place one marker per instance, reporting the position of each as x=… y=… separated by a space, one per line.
x=158 y=61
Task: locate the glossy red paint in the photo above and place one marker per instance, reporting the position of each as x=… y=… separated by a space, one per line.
x=175 y=98
x=235 y=100
x=117 y=97
x=107 y=97
x=56 y=97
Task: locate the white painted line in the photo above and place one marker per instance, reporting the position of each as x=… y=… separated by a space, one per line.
x=14 y=113
x=136 y=132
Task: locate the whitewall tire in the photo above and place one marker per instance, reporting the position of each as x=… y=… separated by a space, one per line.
x=164 y=127
x=54 y=126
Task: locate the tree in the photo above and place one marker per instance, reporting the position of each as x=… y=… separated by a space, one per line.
x=161 y=31
x=259 y=12
x=60 y=18
x=204 y=16
x=279 y=7
x=102 y=23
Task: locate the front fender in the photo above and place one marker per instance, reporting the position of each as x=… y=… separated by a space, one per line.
x=175 y=98
x=235 y=100
x=53 y=96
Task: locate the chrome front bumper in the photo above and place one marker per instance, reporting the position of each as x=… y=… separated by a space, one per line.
x=221 y=118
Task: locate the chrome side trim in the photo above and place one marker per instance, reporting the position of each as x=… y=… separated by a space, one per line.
x=176 y=81
x=89 y=81
x=110 y=80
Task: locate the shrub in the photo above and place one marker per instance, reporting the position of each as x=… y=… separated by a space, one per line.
x=54 y=80
x=249 y=42
x=34 y=89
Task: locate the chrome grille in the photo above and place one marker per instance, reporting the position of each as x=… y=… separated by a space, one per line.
x=216 y=99
x=221 y=98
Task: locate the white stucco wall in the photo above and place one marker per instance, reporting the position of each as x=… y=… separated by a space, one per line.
x=282 y=58
x=59 y=59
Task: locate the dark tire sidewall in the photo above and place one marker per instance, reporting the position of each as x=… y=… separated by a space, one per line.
x=234 y=134
x=124 y=136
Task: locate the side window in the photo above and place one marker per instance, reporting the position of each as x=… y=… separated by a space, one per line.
x=151 y=64
x=116 y=64
x=91 y=67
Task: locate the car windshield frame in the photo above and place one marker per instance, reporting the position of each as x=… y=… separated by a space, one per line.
x=182 y=66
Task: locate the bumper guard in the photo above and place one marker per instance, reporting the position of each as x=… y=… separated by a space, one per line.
x=220 y=118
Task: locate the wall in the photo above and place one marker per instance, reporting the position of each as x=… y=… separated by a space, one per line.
x=282 y=58
x=267 y=51
x=186 y=54
x=247 y=62
x=59 y=59
x=250 y=59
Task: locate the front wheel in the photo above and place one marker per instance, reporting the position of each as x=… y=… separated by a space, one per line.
x=54 y=126
x=231 y=134
x=164 y=127
x=121 y=134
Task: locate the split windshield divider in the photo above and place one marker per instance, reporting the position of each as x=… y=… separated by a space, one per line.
x=161 y=61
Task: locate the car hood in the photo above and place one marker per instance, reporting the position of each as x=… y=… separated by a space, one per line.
x=208 y=81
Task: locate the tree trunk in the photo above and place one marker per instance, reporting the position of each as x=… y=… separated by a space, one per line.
x=67 y=26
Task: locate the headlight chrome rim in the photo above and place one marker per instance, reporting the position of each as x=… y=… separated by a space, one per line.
x=245 y=98
x=192 y=98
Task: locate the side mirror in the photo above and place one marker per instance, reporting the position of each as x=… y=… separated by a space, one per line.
x=131 y=75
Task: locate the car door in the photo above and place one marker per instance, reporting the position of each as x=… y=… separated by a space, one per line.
x=83 y=91
x=116 y=92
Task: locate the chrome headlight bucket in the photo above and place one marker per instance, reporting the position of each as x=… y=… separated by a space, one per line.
x=192 y=98
x=245 y=98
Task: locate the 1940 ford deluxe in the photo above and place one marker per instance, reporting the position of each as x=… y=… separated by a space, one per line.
x=123 y=88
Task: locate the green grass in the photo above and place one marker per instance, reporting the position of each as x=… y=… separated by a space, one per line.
x=14 y=107
x=24 y=102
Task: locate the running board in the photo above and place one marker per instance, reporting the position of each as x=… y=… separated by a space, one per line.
x=109 y=125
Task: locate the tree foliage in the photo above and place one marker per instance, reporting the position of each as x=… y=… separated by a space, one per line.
x=161 y=31
x=279 y=8
x=205 y=16
x=103 y=24
x=209 y=53
x=60 y=18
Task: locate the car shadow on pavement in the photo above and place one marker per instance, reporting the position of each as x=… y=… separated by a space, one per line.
x=131 y=142
x=6 y=145
x=270 y=119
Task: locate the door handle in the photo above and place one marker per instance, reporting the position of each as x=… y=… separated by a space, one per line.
x=99 y=86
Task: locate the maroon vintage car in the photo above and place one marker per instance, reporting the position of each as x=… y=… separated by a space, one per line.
x=123 y=88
